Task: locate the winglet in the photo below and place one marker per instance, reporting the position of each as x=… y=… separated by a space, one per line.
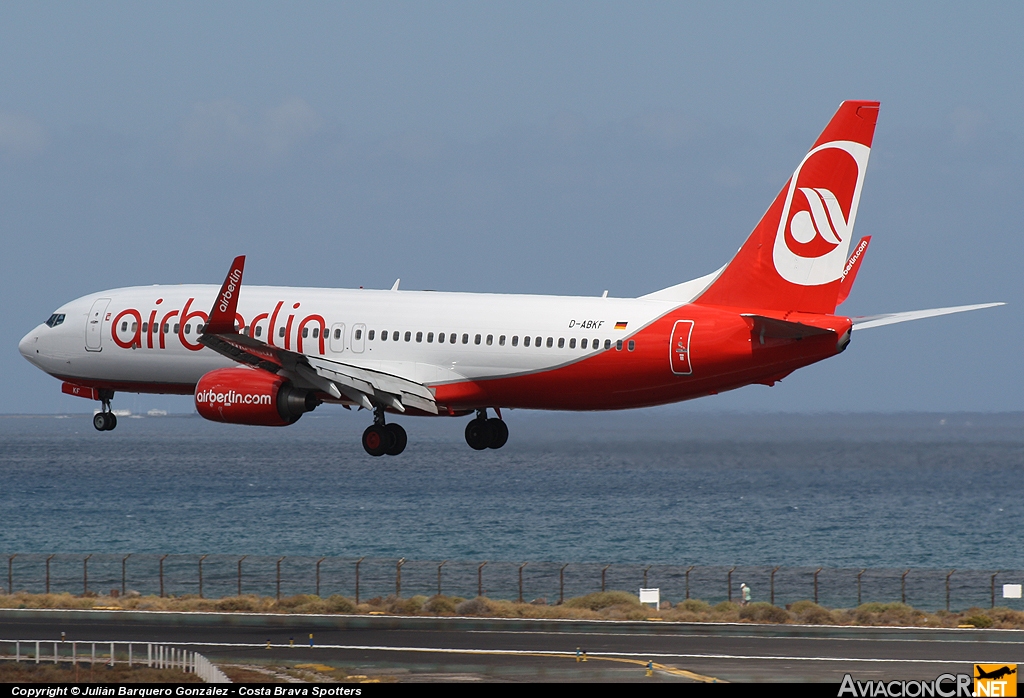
x=851 y=269
x=222 y=315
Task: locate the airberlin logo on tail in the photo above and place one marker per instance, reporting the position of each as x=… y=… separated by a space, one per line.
x=229 y=291
x=818 y=215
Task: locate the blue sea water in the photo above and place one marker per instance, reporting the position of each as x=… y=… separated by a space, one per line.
x=657 y=486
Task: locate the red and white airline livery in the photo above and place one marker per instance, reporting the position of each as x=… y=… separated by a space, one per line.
x=267 y=355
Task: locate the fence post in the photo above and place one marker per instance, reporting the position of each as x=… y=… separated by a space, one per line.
x=858 y=585
x=443 y=562
x=357 y=578
x=124 y=574
x=903 y=587
x=603 y=570
x=201 y=558
x=10 y=573
x=645 y=575
x=85 y=574
x=561 y=584
x=480 y=579
x=947 y=587
x=729 y=582
x=521 y=580
x=279 y=578
x=162 y=576
x=318 y=575
x=816 y=584
x=688 y=580
x=240 y=574
x=48 y=572
x=773 y=585
x=994 y=588
x=398 y=577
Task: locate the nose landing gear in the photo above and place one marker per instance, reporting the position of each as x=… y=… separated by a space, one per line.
x=104 y=420
x=380 y=438
x=482 y=433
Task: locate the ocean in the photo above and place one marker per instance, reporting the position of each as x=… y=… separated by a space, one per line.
x=653 y=487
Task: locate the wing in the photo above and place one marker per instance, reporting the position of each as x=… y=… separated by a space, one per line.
x=362 y=386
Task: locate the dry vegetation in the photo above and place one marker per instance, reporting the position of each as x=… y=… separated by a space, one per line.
x=24 y=672
x=611 y=605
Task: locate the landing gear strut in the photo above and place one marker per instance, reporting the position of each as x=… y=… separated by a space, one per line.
x=484 y=433
x=104 y=420
x=380 y=438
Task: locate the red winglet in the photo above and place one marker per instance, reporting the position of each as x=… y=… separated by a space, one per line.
x=851 y=269
x=222 y=315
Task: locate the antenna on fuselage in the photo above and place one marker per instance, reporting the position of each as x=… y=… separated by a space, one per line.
x=395 y=287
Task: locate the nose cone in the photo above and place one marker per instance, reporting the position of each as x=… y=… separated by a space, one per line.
x=29 y=346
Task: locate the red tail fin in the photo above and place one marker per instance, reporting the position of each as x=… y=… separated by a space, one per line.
x=794 y=259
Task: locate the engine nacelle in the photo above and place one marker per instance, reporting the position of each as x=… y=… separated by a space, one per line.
x=251 y=396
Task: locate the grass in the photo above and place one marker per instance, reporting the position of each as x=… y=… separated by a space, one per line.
x=24 y=672
x=611 y=605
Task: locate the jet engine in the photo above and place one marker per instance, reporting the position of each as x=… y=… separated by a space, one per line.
x=251 y=396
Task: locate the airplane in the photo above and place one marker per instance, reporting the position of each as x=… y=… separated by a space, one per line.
x=261 y=355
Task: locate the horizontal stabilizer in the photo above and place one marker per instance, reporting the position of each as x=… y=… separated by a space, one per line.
x=869 y=321
x=780 y=329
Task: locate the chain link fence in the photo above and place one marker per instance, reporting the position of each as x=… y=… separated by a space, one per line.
x=218 y=576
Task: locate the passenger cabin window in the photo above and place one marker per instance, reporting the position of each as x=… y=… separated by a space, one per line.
x=177 y=327
x=572 y=343
x=476 y=340
x=359 y=334
x=452 y=338
x=316 y=333
x=515 y=340
x=537 y=341
x=305 y=332
x=550 y=342
x=490 y=339
x=618 y=345
x=465 y=339
x=394 y=336
x=337 y=333
x=501 y=341
x=280 y=332
x=384 y=336
x=526 y=341
x=561 y=342
x=124 y=326
x=419 y=336
x=259 y=330
x=631 y=346
x=583 y=343
x=430 y=337
x=408 y=336
x=607 y=344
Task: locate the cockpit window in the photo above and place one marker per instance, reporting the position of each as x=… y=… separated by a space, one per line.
x=55 y=320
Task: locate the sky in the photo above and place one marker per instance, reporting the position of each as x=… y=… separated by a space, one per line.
x=520 y=147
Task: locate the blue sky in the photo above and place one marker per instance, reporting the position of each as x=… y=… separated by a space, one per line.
x=516 y=147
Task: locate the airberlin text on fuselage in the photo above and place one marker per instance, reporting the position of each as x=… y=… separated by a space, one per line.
x=151 y=332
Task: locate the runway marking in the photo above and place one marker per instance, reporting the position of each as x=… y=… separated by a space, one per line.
x=555 y=653
x=743 y=637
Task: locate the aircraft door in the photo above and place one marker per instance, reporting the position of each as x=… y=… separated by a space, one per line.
x=94 y=325
x=338 y=338
x=358 y=338
x=679 y=348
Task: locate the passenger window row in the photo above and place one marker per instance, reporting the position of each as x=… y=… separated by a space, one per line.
x=489 y=340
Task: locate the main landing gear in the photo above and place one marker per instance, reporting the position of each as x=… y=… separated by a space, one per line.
x=380 y=438
x=484 y=433
x=104 y=420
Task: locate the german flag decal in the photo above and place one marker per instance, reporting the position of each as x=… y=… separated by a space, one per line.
x=620 y=325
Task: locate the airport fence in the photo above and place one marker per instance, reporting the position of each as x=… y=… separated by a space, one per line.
x=218 y=576
x=153 y=655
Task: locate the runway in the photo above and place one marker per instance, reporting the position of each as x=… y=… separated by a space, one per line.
x=418 y=648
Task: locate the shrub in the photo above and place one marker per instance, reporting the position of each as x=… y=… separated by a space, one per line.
x=604 y=599
x=694 y=606
x=410 y=606
x=726 y=607
x=979 y=621
x=479 y=606
x=339 y=604
x=239 y=603
x=762 y=612
x=439 y=604
x=811 y=613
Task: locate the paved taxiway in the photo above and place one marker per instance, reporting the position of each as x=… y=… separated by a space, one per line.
x=521 y=649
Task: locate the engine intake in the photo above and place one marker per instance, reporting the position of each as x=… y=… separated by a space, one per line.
x=251 y=396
